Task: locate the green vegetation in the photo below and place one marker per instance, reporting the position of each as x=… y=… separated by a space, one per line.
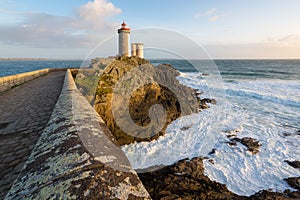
x=87 y=85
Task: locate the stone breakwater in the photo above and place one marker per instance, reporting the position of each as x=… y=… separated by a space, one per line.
x=9 y=82
x=76 y=157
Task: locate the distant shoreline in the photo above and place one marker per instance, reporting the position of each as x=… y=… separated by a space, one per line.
x=35 y=59
x=153 y=59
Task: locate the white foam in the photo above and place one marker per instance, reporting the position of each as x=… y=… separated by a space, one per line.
x=261 y=109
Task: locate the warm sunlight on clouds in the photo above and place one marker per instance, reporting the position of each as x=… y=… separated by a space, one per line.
x=46 y=30
x=96 y=12
x=215 y=18
x=290 y=40
x=234 y=29
x=287 y=47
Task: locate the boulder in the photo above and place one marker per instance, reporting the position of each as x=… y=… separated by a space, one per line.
x=184 y=180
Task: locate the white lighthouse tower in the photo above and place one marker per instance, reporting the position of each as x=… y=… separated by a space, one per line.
x=124 y=32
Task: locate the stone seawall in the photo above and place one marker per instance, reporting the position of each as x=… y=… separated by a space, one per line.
x=76 y=157
x=9 y=82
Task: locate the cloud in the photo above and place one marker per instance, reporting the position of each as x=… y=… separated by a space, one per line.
x=94 y=13
x=291 y=39
x=206 y=13
x=215 y=18
x=287 y=47
x=86 y=27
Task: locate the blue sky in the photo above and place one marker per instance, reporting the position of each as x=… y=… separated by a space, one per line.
x=224 y=28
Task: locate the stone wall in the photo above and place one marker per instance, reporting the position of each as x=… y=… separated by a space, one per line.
x=9 y=82
x=76 y=157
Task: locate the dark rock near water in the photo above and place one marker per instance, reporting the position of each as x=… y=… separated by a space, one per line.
x=184 y=180
x=295 y=164
x=251 y=144
x=185 y=128
x=269 y=195
x=205 y=101
x=294 y=182
x=213 y=151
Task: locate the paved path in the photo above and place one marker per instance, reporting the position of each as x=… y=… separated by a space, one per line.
x=24 y=112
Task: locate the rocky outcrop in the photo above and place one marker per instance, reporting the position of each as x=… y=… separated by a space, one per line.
x=101 y=63
x=251 y=144
x=186 y=180
x=294 y=182
x=128 y=93
x=295 y=164
x=269 y=195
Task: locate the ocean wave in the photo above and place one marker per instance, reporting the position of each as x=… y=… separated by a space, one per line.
x=261 y=109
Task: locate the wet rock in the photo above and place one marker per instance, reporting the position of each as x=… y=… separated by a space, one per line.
x=251 y=144
x=286 y=134
x=295 y=164
x=294 y=182
x=205 y=101
x=213 y=151
x=185 y=128
x=268 y=195
x=184 y=180
x=232 y=143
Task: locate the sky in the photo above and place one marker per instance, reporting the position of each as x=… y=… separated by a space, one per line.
x=230 y=29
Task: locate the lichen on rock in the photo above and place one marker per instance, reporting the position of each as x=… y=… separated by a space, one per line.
x=130 y=87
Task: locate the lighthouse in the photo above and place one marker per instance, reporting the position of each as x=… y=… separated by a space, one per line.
x=124 y=33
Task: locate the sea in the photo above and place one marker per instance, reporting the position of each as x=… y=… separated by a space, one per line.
x=255 y=98
x=11 y=67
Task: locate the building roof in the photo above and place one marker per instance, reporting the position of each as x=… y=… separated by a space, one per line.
x=124 y=26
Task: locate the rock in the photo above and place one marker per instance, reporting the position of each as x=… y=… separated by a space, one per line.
x=101 y=62
x=268 y=195
x=251 y=144
x=232 y=143
x=294 y=182
x=184 y=180
x=185 y=128
x=285 y=134
x=132 y=84
x=213 y=151
x=205 y=101
x=295 y=164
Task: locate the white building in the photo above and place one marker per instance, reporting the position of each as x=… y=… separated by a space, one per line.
x=124 y=32
x=137 y=49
